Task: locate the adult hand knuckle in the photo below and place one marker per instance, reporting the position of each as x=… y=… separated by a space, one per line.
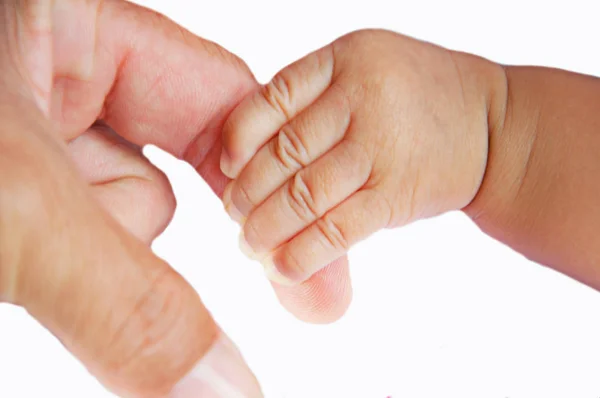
x=23 y=206
x=141 y=336
x=22 y=212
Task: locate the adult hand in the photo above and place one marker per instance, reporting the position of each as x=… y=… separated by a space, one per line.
x=79 y=203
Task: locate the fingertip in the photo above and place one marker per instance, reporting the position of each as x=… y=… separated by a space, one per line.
x=246 y=249
x=230 y=207
x=221 y=373
x=266 y=260
x=226 y=195
x=284 y=267
x=274 y=275
x=323 y=299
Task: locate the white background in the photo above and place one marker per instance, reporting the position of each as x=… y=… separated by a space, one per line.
x=440 y=310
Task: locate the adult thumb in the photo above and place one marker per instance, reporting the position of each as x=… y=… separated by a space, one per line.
x=135 y=323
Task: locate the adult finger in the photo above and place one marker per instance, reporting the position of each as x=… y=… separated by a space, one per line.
x=323 y=298
x=150 y=80
x=130 y=318
x=136 y=193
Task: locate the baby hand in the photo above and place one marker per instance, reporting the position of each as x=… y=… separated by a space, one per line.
x=373 y=131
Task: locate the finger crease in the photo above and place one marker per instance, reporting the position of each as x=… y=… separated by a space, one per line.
x=332 y=233
x=278 y=95
x=289 y=150
x=302 y=199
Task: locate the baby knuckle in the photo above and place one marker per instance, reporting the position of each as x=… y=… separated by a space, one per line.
x=381 y=204
x=289 y=149
x=333 y=234
x=325 y=60
x=361 y=154
x=343 y=99
x=302 y=199
x=278 y=93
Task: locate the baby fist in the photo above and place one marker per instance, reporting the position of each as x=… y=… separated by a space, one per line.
x=375 y=130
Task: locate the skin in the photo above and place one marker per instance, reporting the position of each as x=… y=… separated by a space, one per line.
x=377 y=130
x=80 y=204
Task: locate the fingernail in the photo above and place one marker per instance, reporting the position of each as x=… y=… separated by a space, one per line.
x=221 y=373
x=266 y=261
x=226 y=164
x=235 y=214
x=273 y=273
x=227 y=193
x=247 y=250
x=230 y=208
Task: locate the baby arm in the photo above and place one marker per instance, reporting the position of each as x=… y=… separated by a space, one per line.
x=541 y=191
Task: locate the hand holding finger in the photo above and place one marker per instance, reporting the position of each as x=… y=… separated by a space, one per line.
x=369 y=149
